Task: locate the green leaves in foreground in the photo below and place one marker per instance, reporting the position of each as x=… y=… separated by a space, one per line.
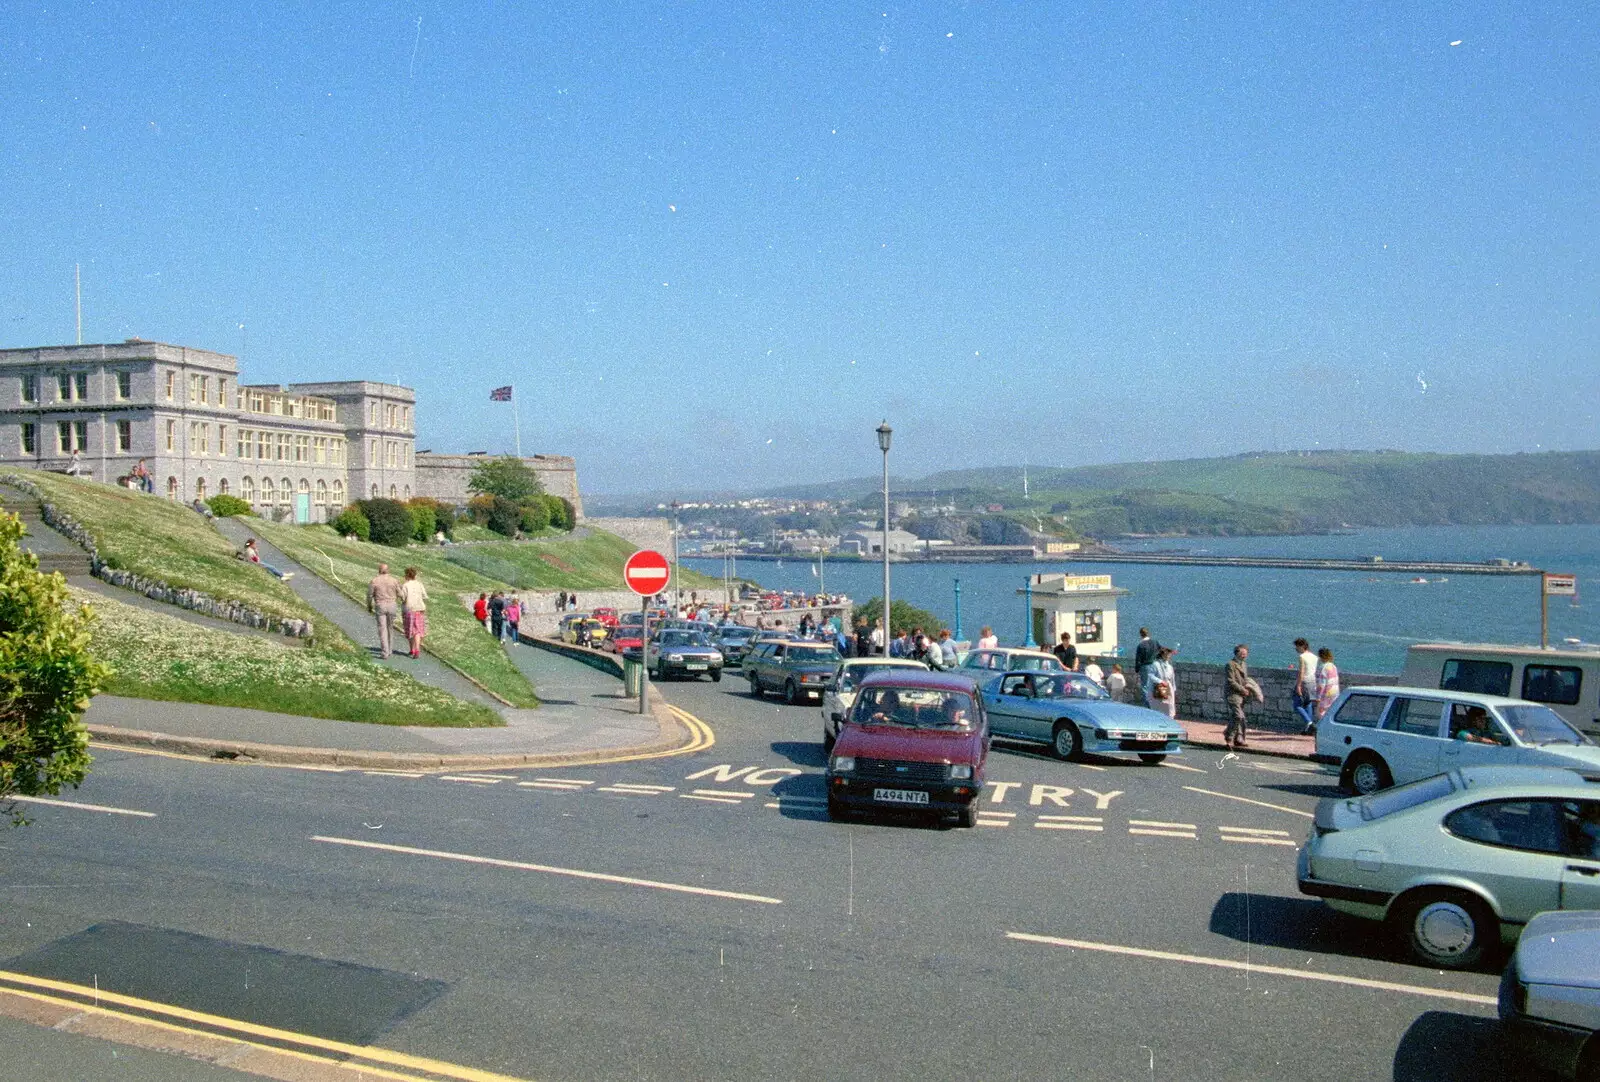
x=47 y=676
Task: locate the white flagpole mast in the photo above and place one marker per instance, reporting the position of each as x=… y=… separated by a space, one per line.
x=516 y=422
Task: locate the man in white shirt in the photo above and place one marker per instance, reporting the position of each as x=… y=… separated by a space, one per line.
x=1305 y=683
x=877 y=637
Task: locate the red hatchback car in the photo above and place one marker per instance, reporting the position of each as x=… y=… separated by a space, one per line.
x=914 y=741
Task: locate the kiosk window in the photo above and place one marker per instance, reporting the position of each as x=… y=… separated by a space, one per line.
x=1559 y=684
x=1088 y=624
x=1478 y=677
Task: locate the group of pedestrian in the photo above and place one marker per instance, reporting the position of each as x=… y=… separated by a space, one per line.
x=501 y=615
x=1316 y=683
x=392 y=600
x=565 y=602
x=1157 y=677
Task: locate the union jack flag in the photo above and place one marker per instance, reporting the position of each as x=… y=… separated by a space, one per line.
x=500 y=394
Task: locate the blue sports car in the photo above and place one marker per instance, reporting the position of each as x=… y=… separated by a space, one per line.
x=1075 y=716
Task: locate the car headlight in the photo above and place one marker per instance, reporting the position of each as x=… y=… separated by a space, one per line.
x=843 y=764
x=960 y=770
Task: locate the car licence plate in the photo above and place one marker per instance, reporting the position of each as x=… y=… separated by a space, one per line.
x=900 y=796
x=1152 y=736
x=695 y=665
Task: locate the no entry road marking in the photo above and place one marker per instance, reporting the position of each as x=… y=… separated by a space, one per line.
x=548 y=869
x=82 y=807
x=1247 y=800
x=1249 y=967
x=1181 y=766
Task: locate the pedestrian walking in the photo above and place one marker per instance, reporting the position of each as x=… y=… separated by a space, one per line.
x=878 y=641
x=863 y=639
x=414 y=610
x=1327 y=684
x=383 y=601
x=987 y=639
x=1144 y=654
x=1305 y=683
x=1066 y=653
x=1116 y=682
x=480 y=609
x=947 y=650
x=513 y=618
x=497 y=615
x=1241 y=689
x=1161 y=684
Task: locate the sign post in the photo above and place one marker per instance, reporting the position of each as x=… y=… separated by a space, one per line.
x=1552 y=585
x=646 y=574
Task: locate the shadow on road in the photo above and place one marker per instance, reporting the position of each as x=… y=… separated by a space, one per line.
x=803 y=796
x=1445 y=1047
x=801 y=752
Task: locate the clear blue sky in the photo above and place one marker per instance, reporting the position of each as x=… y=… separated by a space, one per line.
x=1056 y=233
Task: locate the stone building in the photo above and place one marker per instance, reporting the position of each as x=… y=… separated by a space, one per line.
x=299 y=452
x=445 y=477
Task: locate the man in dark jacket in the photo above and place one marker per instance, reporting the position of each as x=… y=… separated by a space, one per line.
x=1066 y=653
x=1240 y=690
x=1144 y=654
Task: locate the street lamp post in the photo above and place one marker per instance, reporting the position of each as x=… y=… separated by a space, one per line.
x=884 y=434
x=1027 y=594
x=958 y=610
x=677 y=591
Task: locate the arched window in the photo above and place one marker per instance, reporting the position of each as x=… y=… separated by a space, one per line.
x=285 y=492
x=374 y=491
x=394 y=493
x=338 y=493
x=222 y=487
x=172 y=488
x=322 y=493
x=266 y=490
x=247 y=490
x=199 y=488
x=408 y=492
x=305 y=486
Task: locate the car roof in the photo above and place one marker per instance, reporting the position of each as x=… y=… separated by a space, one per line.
x=924 y=679
x=1542 y=779
x=1440 y=693
x=885 y=662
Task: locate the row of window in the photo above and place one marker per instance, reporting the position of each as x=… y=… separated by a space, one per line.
x=280 y=492
x=393 y=415
x=1561 y=685
x=73 y=436
x=395 y=454
x=283 y=447
x=284 y=405
x=73 y=386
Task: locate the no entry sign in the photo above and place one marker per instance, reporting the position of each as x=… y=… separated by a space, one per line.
x=646 y=572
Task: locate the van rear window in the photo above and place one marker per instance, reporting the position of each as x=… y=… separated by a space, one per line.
x=1559 y=684
x=1478 y=677
x=1362 y=710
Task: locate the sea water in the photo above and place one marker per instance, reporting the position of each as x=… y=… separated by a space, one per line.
x=1366 y=618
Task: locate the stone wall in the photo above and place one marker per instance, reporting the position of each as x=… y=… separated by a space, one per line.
x=445 y=477
x=646 y=533
x=1202 y=690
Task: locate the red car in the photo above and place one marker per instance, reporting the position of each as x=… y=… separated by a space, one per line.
x=624 y=637
x=914 y=741
x=607 y=616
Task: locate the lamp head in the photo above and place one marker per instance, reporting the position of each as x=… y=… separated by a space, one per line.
x=884 y=433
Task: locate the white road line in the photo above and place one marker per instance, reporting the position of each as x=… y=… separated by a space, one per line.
x=625 y=791
x=788 y=802
x=467 y=778
x=709 y=799
x=1003 y=815
x=394 y=773
x=724 y=792
x=1091 y=766
x=1247 y=800
x=1277 y=971
x=574 y=873
x=1094 y=827
x=550 y=787
x=643 y=788
x=982 y=822
x=1073 y=818
x=1164 y=833
x=1260 y=841
x=1159 y=823
x=1255 y=830
x=81 y=807
x=564 y=781
x=492 y=777
x=1181 y=766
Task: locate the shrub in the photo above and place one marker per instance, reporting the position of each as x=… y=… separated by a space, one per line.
x=225 y=506
x=905 y=616
x=478 y=509
x=535 y=516
x=352 y=521
x=422 y=520
x=506 y=477
x=390 y=521
x=504 y=516
x=46 y=677
x=444 y=516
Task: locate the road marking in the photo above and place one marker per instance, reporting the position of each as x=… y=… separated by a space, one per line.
x=739 y=793
x=469 y=778
x=1072 y=818
x=1164 y=833
x=709 y=799
x=642 y=788
x=1260 y=841
x=549 y=869
x=1094 y=827
x=492 y=777
x=82 y=807
x=982 y=822
x=1247 y=800
x=800 y=803
x=564 y=781
x=629 y=790
x=93 y=1001
x=1159 y=823
x=1091 y=766
x=394 y=773
x=1248 y=967
x=550 y=787
x=1262 y=832
x=1182 y=766
x=1003 y=815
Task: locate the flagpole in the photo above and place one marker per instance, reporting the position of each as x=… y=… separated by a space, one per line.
x=516 y=422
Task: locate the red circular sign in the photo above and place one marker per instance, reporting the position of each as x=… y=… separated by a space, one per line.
x=646 y=572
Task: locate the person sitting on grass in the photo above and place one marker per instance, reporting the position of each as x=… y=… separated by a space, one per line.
x=254 y=557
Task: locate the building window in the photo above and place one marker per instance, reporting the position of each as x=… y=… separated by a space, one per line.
x=389 y=455
x=124 y=435
x=305 y=488
x=263 y=449
x=172 y=488
x=222 y=391
x=222 y=439
x=30 y=439
x=283 y=447
x=172 y=435
x=372 y=454
x=222 y=487
x=194 y=387
x=205 y=389
x=407 y=424
x=394 y=493
x=169 y=386
x=64 y=386
x=302 y=445
x=319 y=450
x=372 y=415
x=81 y=431
x=247 y=490
x=80 y=382
x=194 y=437
x=30 y=388
x=200 y=488
x=285 y=491
x=266 y=490
x=124 y=385
x=64 y=437
x=408 y=492
x=243 y=450
x=338 y=493
x=205 y=439
x=322 y=493
x=374 y=491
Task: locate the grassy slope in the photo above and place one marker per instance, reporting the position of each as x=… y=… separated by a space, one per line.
x=161 y=657
x=163 y=540
x=452 y=632
x=593 y=562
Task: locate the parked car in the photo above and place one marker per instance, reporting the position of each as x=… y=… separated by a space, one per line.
x=1383 y=735
x=1076 y=716
x=914 y=740
x=1011 y=659
x=735 y=642
x=606 y=615
x=1550 y=993
x=675 y=652
x=626 y=638
x=1457 y=862
x=800 y=669
x=566 y=630
x=839 y=694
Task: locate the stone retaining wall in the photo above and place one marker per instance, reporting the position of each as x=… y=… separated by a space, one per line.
x=234 y=612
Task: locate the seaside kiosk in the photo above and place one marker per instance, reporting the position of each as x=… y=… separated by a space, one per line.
x=1085 y=605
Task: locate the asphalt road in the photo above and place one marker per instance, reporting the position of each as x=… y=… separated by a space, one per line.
x=700 y=918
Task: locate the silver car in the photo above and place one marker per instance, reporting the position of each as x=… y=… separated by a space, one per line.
x=1550 y=993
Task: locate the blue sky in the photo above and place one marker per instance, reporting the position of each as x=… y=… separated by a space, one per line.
x=713 y=245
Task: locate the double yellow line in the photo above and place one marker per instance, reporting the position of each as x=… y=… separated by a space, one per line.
x=146 y=1023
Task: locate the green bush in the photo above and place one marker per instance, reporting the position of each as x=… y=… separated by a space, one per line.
x=225 y=506
x=422 y=520
x=46 y=677
x=535 y=516
x=444 y=515
x=905 y=616
x=390 y=521
x=562 y=516
x=504 y=516
x=350 y=522
x=506 y=477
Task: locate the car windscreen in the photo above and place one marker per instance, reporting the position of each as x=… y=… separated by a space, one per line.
x=914 y=708
x=813 y=655
x=1033 y=663
x=740 y=634
x=851 y=675
x=1540 y=725
x=683 y=638
x=1406 y=796
x=1067 y=687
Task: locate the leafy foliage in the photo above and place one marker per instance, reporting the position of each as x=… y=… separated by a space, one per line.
x=225 y=506
x=422 y=521
x=389 y=521
x=352 y=523
x=506 y=477
x=563 y=516
x=904 y=616
x=444 y=516
x=535 y=516
x=47 y=676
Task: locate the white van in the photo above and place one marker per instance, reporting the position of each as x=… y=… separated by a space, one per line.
x=1567 y=680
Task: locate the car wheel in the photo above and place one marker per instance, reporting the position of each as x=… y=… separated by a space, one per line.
x=1367 y=775
x=1448 y=929
x=827 y=741
x=791 y=693
x=1067 y=741
x=755 y=687
x=968 y=817
x=716 y=676
x=1152 y=757
x=836 y=809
